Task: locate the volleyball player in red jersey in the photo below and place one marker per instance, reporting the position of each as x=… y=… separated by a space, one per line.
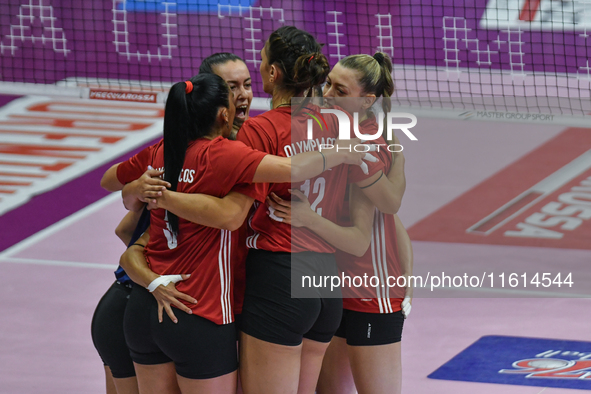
x=235 y=72
x=107 y=323
x=197 y=114
x=372 y=320
x=284 y=338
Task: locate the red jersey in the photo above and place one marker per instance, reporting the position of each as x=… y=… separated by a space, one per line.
x=272 y=132
x=381 y=259
x=213 y=167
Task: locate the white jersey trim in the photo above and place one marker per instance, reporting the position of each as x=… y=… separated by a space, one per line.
x=225 y=276
x=380 y=262
x=251 y=241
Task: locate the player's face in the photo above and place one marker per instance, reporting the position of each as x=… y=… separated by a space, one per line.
x=237 y=76
x=265 y=70
x=342 y=83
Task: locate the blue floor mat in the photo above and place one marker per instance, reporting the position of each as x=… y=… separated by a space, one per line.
x=522 y=361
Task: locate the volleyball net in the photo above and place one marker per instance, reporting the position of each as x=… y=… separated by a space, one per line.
x=476 y=59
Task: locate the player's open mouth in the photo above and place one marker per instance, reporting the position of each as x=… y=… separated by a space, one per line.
x=241 y=111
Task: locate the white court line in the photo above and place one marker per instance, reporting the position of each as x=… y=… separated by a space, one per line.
x=18 y=260
x=544 y=188
x=544 y=389
x=54 y=228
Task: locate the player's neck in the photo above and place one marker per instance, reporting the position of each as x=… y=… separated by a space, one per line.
x=281 y=99
x=214 y=134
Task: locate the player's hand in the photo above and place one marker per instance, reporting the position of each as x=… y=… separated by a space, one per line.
x=407 y=303
x=296 y=212
x=279 y=209
x=158 y=202
x=152 y=204
x=352 y=156
x=168 y=295
x=150 y=185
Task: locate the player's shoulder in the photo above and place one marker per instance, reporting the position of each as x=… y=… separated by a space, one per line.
x=272 y=116
x=271 y=126
x=225 y=146
x=153 y=147
x=256 y=124
x=149 y=153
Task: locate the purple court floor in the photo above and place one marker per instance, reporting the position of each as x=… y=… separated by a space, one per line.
x=53 y=279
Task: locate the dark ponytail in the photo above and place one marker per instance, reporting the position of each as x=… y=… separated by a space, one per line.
x=299 y=56
x=190 y=113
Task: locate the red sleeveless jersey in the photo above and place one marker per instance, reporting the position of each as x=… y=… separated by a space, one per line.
x=381 y=259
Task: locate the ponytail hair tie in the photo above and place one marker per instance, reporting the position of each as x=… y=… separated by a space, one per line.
x=188 y=87
x=309 y=60
x=379 y=57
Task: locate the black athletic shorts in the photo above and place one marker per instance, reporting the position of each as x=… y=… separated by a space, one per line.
x=238 y=322
x=272 y=315
x=369 y=329
x=199 y=348
x=107 y=331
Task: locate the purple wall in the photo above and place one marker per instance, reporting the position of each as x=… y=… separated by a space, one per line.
x=416 y=28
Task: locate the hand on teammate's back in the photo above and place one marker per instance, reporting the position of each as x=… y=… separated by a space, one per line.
x=151 y=185
x=354 y=155
x=296 y=212
x=168 y=295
